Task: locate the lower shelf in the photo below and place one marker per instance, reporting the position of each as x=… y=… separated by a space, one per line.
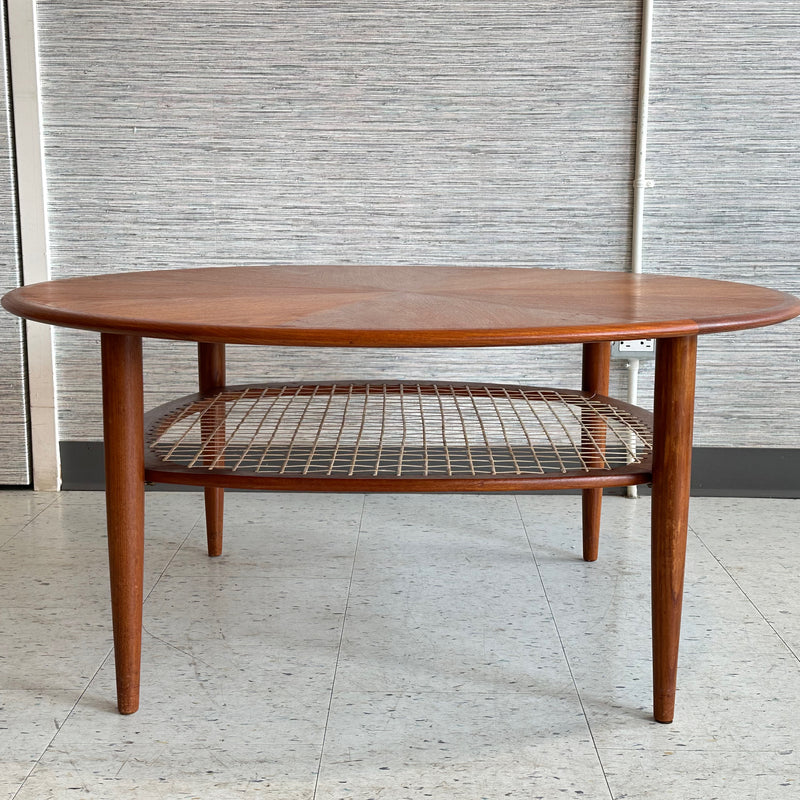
x=398 y=437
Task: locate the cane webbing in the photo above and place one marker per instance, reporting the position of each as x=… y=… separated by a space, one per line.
x=400 y=429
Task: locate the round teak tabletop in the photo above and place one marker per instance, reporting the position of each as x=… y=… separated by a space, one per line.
x=387 y=306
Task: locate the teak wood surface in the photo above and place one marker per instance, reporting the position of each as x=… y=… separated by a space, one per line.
x=363 y=306
x=399 y=306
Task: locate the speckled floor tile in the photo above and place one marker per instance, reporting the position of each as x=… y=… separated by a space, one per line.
x=441 y=745
x=607 y=604
x=60 y=559
x=269 y=507
x=729 y=704
x=701 y=775
x=184 y=609
x=80 y=517
x=457 y=629
x=550 y=775
x=28 y=659
x=439 y=529
x=755 y=541
x=553 y=526
x=733 y=669
x=746 y=523
x=252 y=726
x=467 y=667
x=47 y=783
x=29 y=720
x=278 y=534
x=18 y=508
x=12 y=776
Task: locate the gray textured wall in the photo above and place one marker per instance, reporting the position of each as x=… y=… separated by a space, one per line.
x=395 y=132
x=13 y=419
x=724 y=151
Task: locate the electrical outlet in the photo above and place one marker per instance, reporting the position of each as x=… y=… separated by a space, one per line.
x=634 y=348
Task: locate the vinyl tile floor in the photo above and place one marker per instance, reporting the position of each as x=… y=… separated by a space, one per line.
x=398 y=646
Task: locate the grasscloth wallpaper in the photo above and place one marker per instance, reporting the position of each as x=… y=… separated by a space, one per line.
x=13 y=415
x=724 y=152
x=502 y=133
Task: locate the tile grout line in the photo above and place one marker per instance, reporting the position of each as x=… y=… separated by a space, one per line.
x=172 y=557
x=161 y=574
x=29 y=522
x=564 y=649
x=747 y=596
x=103 y=662
x=339 y=649
x=64 y=722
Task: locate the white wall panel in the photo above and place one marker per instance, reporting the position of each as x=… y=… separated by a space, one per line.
x=14 y=466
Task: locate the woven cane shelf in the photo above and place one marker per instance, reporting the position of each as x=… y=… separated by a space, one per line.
x=398 y=436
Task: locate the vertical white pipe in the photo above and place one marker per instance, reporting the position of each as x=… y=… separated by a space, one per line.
x=33 y=236
x=640 y=178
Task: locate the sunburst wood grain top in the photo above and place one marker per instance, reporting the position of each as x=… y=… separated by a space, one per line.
x=387 y=306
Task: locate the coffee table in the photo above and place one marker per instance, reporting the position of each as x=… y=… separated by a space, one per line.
x=398 y=436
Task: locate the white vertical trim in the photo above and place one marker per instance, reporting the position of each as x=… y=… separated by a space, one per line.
x=640 y=180
x=640 y=174
x=33 y=236
x=44 y=428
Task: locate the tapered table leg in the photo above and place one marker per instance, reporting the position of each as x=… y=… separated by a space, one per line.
x=672 y=460
x=123 y=411
x=596 y=364
x=211 y=376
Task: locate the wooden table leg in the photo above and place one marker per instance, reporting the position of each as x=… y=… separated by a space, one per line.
x=672 y=461
x=596 y=364
x=211 y=375
x=123 y=410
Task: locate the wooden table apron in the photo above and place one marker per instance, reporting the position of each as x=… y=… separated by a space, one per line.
x=676 y=349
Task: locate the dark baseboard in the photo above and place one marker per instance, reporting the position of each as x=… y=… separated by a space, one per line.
x=82 y=467
x=745 y=472
x=716 y=471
